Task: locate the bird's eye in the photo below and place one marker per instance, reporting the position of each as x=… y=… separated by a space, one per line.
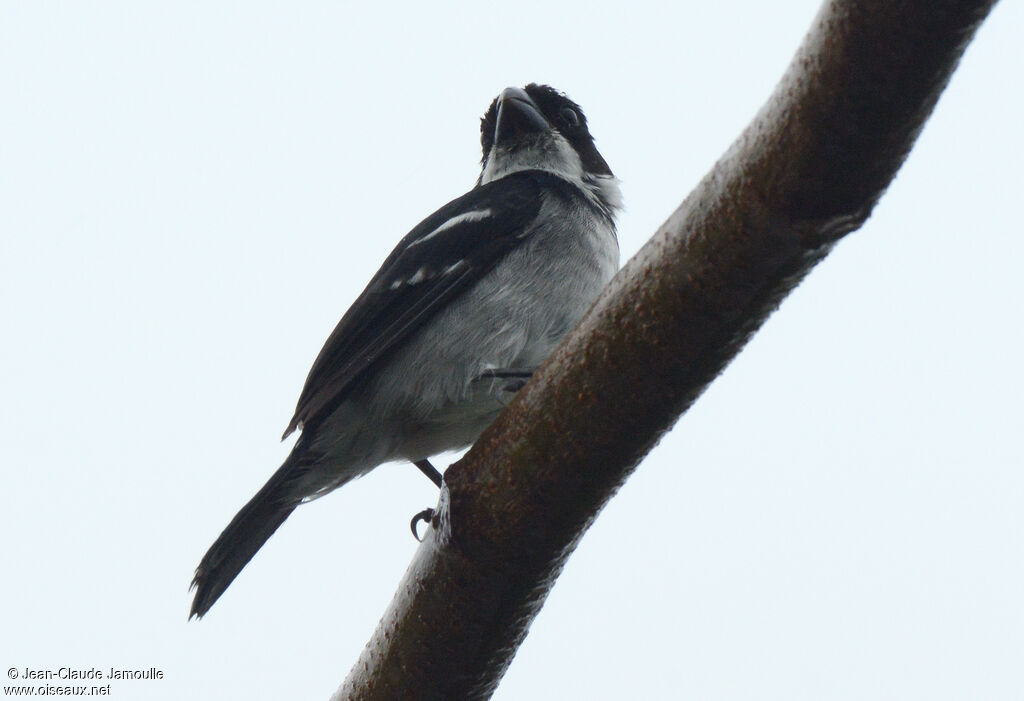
x=569 y=117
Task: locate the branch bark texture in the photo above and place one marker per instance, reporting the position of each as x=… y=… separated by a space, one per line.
x=808 y=170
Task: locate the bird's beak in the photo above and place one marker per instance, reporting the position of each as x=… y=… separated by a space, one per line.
x=518 y=115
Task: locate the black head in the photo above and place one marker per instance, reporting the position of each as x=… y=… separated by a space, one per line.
x=522 y=117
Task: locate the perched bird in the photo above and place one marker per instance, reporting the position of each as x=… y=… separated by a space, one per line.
x=458 y=316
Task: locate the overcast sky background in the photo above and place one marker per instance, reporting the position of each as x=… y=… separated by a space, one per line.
x=191 y=194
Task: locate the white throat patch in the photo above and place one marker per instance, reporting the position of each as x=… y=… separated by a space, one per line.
x=551 y=152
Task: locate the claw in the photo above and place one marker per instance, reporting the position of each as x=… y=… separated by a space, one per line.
x=425 y=515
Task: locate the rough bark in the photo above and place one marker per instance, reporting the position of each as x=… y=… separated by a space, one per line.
x=808 y=170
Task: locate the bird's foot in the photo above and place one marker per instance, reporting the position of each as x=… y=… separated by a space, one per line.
x=516 y=377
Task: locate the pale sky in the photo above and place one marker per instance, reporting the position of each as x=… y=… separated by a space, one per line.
x=191 y=195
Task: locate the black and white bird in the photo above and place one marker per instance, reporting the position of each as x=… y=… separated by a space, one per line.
x=471 y=301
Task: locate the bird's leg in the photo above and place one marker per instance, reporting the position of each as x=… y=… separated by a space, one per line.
x=429 y=470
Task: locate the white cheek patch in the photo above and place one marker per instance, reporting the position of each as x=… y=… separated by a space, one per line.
x=605 y=188
x=465 y=217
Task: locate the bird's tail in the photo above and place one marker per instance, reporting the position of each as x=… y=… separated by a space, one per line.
x=244 y=536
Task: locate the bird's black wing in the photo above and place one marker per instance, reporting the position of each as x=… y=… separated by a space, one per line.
x=438 y=260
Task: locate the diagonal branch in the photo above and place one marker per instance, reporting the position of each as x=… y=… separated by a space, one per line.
x=807 y=171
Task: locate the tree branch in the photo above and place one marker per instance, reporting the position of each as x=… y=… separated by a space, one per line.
x=808 y=170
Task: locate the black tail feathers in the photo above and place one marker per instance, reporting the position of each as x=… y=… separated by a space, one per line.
x=244 y=536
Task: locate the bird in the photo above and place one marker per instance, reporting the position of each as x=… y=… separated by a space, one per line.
x=454 y=322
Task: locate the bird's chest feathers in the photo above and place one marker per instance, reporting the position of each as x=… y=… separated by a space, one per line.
x=545 y=286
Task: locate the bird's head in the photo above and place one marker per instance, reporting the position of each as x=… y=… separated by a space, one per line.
x=539 y=128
